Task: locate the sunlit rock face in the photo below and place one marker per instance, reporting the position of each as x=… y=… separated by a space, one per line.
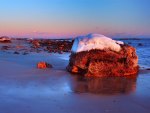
x=108 y=60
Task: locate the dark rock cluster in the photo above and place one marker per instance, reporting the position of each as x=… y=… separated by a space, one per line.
x=52 y=45
x=25 y=46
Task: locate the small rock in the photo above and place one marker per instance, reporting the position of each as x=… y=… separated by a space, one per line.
x=43 y=65
x=60 y=52
x=25 y=53
x=140 y=44
x=35 y=43
x=5 y=47
x=129 y=43
x=16 y=52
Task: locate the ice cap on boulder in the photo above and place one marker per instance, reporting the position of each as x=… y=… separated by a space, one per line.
x=95 y=41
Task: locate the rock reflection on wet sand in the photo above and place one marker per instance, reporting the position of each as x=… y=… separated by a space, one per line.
x=105 y=85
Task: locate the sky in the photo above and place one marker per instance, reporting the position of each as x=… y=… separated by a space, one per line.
x=67 y=18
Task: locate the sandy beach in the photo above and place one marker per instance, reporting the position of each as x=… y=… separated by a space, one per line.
x=74 y=56
x=26 y=89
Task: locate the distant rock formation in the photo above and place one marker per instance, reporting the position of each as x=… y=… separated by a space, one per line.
x=106 y=62
x=5 y=39
x=51 y=45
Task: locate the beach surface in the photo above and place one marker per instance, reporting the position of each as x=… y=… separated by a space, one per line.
x=26 y=89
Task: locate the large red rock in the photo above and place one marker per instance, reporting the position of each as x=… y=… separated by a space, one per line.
x=101 y=63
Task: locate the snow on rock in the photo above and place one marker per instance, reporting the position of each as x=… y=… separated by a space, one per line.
x=95 y=41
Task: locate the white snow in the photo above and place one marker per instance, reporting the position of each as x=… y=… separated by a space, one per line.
x=95 y=41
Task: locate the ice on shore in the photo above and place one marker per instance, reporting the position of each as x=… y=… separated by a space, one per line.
x=95 y=41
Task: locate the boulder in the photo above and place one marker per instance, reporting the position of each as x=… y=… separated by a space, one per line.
x=104 y=62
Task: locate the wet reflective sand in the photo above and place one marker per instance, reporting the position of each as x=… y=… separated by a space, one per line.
x=106 y=85
x=25 y=89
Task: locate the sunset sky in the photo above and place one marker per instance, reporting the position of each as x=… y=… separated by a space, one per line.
x=65 y=18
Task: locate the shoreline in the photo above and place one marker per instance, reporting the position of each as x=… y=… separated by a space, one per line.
x=26 y=89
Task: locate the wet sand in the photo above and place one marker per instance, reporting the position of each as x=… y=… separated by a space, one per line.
x=26 y=89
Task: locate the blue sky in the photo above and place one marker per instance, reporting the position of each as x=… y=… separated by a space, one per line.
x=46 y=18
